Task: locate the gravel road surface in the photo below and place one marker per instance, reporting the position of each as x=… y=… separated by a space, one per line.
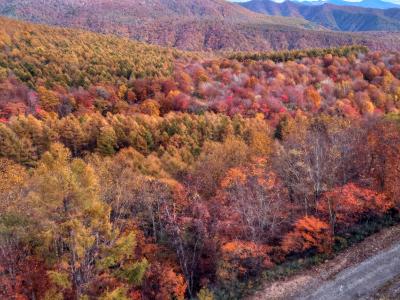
x=362 y=280
x=369 y=270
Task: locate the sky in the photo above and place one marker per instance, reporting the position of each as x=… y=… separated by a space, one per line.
x=393 y=1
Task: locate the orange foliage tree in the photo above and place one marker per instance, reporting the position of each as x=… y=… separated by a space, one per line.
x=309 y=233
x=162 y=282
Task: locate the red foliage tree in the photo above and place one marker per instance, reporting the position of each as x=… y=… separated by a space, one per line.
x=346 y=205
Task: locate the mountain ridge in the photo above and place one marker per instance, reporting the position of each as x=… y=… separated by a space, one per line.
x=189 y=25
x=364 y=3
x=334 y=17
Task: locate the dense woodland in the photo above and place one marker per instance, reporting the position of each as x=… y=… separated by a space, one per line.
x=204 y=25
x=146 y=173
x=44 y=55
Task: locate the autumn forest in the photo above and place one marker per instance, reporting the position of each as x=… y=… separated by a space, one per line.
x=132 y=171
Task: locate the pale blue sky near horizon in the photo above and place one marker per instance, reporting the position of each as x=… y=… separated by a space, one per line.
x=393 y=1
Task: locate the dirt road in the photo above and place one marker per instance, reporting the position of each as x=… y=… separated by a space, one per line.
x=363 y=271
x=362 y=280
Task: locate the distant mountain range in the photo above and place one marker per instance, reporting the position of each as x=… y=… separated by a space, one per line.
x=333 y=16
x=205 y=24
x=365 y=3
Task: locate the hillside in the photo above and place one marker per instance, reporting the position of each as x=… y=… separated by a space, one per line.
x=341 y=18
x=272 y=8
x=199 y=25
x=123 y=16
x=40 y=54
x=124 y=11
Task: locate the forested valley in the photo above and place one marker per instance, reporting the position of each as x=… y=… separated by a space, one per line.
x=131 y=171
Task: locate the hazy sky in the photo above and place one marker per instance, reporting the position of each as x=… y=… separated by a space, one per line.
x=393 y=1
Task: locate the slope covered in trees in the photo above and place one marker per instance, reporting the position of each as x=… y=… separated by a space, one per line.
x=45 y=55
x=193 y=178
x=190 y=25
x=142 y=21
